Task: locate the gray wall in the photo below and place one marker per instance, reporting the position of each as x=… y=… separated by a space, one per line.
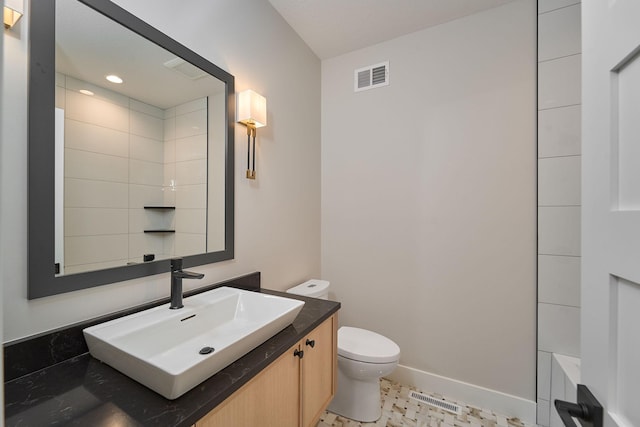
x=428 y=197
x=277 y=216
x=559 y=157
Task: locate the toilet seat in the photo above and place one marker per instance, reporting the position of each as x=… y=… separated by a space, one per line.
x=366 y=346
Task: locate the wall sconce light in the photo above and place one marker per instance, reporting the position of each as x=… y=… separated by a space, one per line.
x=12 y=11
x=252 y=112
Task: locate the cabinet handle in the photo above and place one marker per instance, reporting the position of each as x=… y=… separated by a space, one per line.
x=311 y=343
x=299 y=353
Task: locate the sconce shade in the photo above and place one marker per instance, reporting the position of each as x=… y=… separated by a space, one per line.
x=252 y=109
x=12 y=12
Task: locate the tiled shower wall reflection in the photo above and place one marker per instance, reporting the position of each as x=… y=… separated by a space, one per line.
x=185 y=175
x=559 y=157
x=120 y=156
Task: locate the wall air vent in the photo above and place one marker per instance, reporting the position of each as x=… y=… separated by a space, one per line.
x=186 y=69
x=371 y=77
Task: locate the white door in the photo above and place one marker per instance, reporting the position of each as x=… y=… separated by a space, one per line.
x=611 y=207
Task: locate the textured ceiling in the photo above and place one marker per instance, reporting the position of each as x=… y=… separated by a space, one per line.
x=333 y=27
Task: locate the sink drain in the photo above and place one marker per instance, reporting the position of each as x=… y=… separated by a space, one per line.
x=207 y=350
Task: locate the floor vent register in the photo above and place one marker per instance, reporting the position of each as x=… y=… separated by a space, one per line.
x=438 y=403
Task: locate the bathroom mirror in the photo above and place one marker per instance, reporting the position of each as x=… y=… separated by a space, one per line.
x=130 y=150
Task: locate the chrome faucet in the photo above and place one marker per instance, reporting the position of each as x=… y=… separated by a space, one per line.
x=177 y=274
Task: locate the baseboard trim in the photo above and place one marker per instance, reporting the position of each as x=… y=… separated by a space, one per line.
x=502 y=403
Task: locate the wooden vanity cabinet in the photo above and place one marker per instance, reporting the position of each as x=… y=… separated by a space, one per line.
x=318 y=369
x=291 y=392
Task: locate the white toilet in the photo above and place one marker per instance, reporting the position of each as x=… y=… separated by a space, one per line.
x=363 y=357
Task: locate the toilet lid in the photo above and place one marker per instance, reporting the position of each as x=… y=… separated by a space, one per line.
x=310 y=288
x=366 y=346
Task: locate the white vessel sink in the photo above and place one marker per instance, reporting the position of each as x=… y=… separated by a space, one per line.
x=161 y=348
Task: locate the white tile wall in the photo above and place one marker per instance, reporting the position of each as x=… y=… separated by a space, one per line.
x=61 y=96
x=194 y=123
x=192 y=196
x=93 y=249
x=60 y=91
x=192 y=221
x=544 y=375
x=140 y=220
x=191 y=172
x=95 y=221
x=559 y=191
x=559 y=33
x=146 y=108
x=559 y=181
x=169 y=180
x=148 y=219
x=559 y=230
x=189 y=244
x=121 y=155
x=147 y=149
x=559 y=132
x=559 y=82
x=191 y=148
x=147 y=173
x=559 y=280
x=169 y=196
x=61 y=80
x=169 y=124
x=72 y=269
x=90 y=109
x=144 y=243
x=542 y=413
x=97 y=139
x=148 y=126
x=191 y=106
x=169 y=150
x=169 y=244
x=186 y=164
x=557 y=392
x=141 y=195
x=95 y=166
x=549 y=5
x=107 y=135
x=170 y=112
x=95 y=194
x=559 y=329
x=565 y=376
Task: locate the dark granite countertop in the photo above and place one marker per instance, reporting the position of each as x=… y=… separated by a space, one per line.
x=83 y=391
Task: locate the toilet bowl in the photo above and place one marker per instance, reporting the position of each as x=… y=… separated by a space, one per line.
x=363 y=358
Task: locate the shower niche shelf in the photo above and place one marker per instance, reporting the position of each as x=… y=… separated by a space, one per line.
x=160 y=208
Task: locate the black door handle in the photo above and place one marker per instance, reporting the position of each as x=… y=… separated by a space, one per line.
x=310 y=343
x=299 y=353
x=588 y=410
x=568 y=410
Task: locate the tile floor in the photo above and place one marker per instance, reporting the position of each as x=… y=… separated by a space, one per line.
x=400 y=411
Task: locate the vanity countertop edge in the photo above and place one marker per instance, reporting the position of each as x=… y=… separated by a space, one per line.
x=81 y=390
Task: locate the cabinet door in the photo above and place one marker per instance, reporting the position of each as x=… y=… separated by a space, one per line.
x=318 y=370
x=271 y=399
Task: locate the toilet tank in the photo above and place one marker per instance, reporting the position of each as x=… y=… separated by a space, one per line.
x=315 y=288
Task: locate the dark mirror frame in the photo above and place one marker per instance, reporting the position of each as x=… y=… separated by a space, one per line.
x=41 y=233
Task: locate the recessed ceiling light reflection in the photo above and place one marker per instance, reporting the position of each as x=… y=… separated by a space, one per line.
x=86 y=92
x=114 y=79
